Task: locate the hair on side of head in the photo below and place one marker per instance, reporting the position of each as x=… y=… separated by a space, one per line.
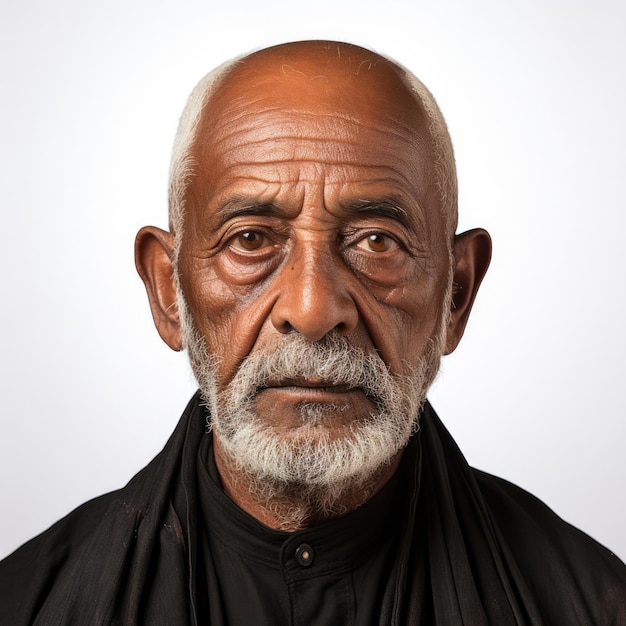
x=182 y=164
x=443 y=151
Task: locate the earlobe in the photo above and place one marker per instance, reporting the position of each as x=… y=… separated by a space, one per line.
x=472 y=254
x=153 y=259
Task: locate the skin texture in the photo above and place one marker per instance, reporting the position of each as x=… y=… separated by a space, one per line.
x=313 y=209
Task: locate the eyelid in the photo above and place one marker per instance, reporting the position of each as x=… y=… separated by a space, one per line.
x=356 y=235
x=270 y=235
x=371 y=242
x=235 y=241
x=229 y=237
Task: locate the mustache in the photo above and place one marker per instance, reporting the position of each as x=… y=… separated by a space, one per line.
x=331 y=361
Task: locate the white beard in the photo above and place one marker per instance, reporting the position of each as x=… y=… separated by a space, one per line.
x=309 y=465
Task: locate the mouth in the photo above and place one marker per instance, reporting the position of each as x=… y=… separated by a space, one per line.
x=312 y=384
x=314 y=391
x=317 y=401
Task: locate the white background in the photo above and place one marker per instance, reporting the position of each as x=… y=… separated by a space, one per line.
x=534 y=93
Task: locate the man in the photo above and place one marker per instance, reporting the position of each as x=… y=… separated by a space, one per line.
x=313 y=273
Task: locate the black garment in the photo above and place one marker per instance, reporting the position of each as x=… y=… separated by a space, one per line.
x=329 y=575
x=473 y=549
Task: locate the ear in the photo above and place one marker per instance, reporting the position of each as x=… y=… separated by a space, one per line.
x=153 y=259
x=472 y=254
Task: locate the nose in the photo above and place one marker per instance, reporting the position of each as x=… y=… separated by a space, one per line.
x=314 y=299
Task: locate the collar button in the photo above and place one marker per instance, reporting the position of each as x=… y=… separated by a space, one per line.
x=304 y=555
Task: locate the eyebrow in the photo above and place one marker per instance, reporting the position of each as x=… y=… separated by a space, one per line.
x=380 y=208
x=237 y=207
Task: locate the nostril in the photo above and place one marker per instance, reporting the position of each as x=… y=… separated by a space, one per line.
x=286 y=327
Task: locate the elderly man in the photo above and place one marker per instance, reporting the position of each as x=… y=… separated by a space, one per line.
x=313 y=273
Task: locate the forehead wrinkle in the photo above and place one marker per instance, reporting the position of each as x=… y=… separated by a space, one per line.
x=349 y=150
x=400 y=189
x=280 y=186
x=247 y=112
x=298 y=125
x=229 y=134
x=233 y=116
x=341 y=163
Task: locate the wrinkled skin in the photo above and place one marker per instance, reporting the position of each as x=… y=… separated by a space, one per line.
x=313 y=209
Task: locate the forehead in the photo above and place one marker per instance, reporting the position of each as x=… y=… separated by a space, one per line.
x=350 y=112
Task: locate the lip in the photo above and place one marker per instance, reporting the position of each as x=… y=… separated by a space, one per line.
x=323 y=393
x=310 y=384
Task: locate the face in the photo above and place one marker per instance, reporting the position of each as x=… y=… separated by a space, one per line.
x=313 y=215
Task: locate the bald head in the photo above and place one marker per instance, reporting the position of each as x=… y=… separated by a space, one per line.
x=305 y=80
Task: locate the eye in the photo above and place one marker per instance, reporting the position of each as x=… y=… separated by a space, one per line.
x=377 y=242
x=249 y=241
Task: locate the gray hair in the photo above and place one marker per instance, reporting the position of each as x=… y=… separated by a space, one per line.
x=442 y=150
x=183 y=164
x=182 y=167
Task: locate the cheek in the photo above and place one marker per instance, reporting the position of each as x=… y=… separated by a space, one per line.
x=405 y=320
x=228 y=313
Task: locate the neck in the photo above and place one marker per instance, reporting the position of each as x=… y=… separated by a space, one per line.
x=290 y=507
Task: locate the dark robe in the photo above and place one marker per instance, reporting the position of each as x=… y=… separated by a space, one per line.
x=474 y=550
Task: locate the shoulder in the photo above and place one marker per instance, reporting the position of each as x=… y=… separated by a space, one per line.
x=96 y=561
x=521 y=514
x=28 y=573
x=552 y=555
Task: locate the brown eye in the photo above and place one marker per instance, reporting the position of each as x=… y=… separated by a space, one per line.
x=249 y=241
x=376 y=242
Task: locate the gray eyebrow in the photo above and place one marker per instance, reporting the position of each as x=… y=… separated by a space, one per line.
x=380 y=208
x=243 y=206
